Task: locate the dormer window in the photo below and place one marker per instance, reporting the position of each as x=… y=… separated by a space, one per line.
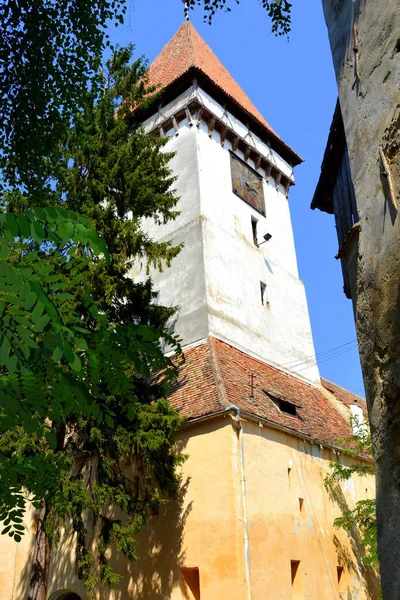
x=285 y=407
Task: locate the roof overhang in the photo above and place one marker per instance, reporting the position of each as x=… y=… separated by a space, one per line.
x=180 y=84
x=330 y=164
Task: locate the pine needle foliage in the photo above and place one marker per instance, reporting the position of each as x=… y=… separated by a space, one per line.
x=88 y=433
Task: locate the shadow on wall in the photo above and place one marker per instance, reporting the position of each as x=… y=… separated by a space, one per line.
x=370 y=575
x=152 y=577
x=161 y=552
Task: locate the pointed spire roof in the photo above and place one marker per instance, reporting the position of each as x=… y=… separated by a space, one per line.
x=187 y=50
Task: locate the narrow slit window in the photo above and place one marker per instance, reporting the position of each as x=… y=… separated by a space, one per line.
x=190 y=582
x=301 y=502
x=339 y=573
x=254 y=223
x=294 y=567
x=263 y=290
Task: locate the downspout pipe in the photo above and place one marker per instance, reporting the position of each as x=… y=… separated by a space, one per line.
x=243 y=487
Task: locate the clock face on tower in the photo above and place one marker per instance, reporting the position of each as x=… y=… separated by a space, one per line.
x=247 y=184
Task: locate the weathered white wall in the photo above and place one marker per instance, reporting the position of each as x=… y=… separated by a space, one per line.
x=215 y=281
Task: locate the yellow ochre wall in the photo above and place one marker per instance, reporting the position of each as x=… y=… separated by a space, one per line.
x=238 y=520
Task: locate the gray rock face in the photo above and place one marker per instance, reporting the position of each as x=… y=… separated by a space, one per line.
x=365 y=44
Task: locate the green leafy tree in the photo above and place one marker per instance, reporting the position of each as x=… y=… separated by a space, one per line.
x=83 y=379
x=363 y=515
x=279 y=11
x=84 y=374
x=49 y=55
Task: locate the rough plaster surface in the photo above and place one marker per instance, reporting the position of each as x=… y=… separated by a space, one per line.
x=371 y=114
x=215 y=280
x=255 y=474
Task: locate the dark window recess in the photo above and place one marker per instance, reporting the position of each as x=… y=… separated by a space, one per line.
x=247 y=184
x=190 y=582
x=294 y=567
x=339 y=573
x=263 y=289
x=288 y=408
x=254 y=230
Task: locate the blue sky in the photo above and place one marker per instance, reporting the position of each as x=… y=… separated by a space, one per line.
x=292 y=83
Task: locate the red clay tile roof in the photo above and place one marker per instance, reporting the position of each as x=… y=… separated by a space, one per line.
x=186 y=50
x=216 y=375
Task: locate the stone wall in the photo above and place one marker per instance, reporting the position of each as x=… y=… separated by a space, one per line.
x=365 y=42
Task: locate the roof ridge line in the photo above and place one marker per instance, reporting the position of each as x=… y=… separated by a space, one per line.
x=190 y=42
x=219 y=382
x=342 y=388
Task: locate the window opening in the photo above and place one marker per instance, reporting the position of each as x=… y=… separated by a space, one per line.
x=339 y=573
x=254 y=223
x=190 y=583
x=294 y=567
x=263 y=289
x=301 y=502
x=297 y=580
x=287 y=408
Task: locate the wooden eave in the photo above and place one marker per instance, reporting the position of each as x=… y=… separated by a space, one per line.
x=179 y=85
x=330 y=164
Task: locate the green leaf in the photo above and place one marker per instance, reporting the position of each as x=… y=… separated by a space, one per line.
x=40 y=214
x=81 y=343
x=41 y=323
x=11 y=224
x=30 y=300
x=37 y=311
x=51 y=440
x=24 y=226
x=109 y=420
x=38 y=233
x=68 y=352
x=76 y=364
x=57 y=354
x=4 y=251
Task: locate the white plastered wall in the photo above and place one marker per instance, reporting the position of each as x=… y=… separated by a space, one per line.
x=215 y=280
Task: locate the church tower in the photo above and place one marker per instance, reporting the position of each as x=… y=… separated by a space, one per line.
x=252 y=519
x=236 y=278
